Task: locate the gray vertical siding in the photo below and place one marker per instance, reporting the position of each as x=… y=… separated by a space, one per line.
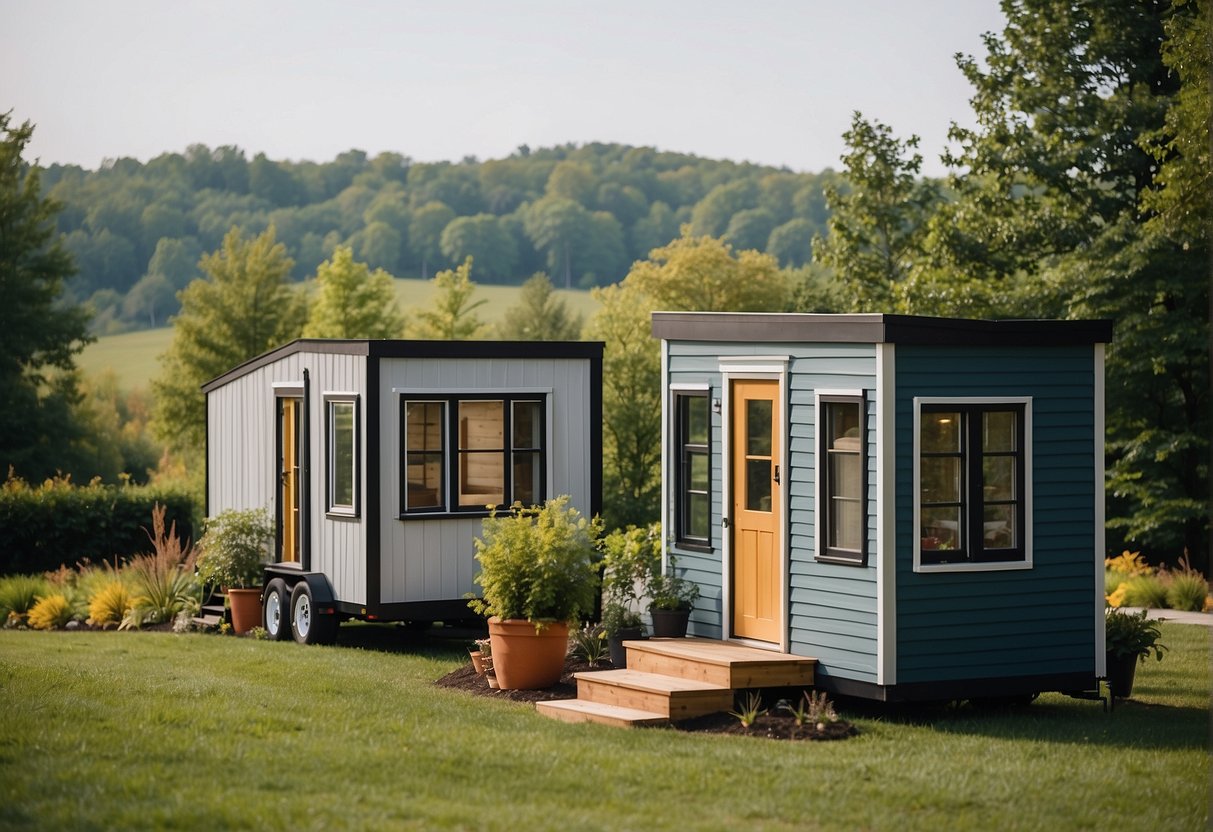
x=957 y=625
x=832 y=607
x=430 y=559
x=242 y=457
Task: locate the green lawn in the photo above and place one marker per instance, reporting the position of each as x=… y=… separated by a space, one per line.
x=133 y=356
x=139 y=730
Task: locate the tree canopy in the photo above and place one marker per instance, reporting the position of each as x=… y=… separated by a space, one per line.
x=352 y=301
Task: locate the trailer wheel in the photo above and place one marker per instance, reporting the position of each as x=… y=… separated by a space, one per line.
x=308 y=625
x=275 y=610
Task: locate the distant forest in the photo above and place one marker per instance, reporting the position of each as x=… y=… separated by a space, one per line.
x=582 y=214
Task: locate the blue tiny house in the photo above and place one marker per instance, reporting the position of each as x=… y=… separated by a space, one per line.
x=917 y=503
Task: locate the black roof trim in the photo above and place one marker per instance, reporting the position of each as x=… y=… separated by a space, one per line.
x=874 y=329
x=414 y=349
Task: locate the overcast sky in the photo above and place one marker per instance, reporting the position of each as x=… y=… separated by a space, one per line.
x=769 y=82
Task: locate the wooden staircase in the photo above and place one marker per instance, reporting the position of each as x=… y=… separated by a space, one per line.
x=214 y=611
x=676 y=678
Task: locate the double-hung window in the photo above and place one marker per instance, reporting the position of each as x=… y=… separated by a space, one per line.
x=465 y=453
x=842 y=479
x=693 y=479
x=341 y=434
x=972 y=491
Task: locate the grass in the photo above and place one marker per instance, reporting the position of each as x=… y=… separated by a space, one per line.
x=151 y=730
x=134 y=356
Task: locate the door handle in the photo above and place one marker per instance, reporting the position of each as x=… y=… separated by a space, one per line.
x=777 y=475
x=724 y=522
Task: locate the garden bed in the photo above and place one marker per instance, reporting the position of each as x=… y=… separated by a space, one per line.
x=775 y=726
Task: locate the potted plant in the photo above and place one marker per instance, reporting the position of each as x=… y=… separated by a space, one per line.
x=1128 y=638
x=538 y=572
x=232 y=554
x=630 y=558
x=482 y=655
x=672 y=600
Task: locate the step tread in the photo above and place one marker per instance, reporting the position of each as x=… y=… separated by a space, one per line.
x=648 y=682
x=579 y=710
x=709 y=651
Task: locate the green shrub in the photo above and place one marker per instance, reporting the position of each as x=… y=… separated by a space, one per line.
x=1112 y=579
x=1144 y=591
x=51 y=612
x=163 y=581
x=18 y=594
x=1187 y=592
x=59 y=523
x=537 y=563
x=235 y=548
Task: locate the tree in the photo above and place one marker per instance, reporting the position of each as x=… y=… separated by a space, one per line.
x=558 y=226
x=1092 y=117
x=877 y=228
x=39 y=337
x=425 y=231
x=452 y=317
x=485 y=239
x=240 y=309
x=792 y=243
x=539 y=315
x=150 y=301
x=352 y=301
x=690 y=273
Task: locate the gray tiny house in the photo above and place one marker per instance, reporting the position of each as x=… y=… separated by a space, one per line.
x=917 y=503
x=377 y=460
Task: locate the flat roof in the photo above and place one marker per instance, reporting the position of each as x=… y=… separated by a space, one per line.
x=402 y=348
x=874 y=328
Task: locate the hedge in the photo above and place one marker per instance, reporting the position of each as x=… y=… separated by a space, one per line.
x=59 y=524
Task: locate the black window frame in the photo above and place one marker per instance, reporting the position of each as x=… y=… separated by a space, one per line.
x=972 y=501
x=451 y=451
x=825 y=486
x=682 y=479
x=331 y=509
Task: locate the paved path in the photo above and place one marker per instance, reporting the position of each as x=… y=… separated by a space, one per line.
x=1202 y=618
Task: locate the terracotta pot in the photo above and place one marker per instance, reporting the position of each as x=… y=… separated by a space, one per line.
x=477 y=662
x=492 y=680
x=1121 y=670
x=246 y=609
x=670 y=623
x=524 y=659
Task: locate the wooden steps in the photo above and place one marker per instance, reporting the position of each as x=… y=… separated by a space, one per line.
x=672 y=679
x=213 y=611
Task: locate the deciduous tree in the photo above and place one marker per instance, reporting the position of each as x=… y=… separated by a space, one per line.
x=540 y=315
x=352 y=301
x=452 y=314
x=240 y=309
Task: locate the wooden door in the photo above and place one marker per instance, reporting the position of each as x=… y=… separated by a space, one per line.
x=290 y=494
x=756 y=510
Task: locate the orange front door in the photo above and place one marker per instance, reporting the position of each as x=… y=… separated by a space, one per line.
x=290 y=495
x=755 y=448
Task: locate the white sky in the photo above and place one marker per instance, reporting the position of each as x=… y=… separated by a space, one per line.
x=770 y=81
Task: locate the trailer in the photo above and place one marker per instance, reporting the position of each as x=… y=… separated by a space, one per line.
x=378 y=460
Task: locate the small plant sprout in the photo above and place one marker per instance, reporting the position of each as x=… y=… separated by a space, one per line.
x=799 y=711
x=485 y=646
x=589 y=644
x=820 y=709
x=749 y=710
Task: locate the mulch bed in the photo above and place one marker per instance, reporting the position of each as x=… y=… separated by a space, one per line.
x=773 y=726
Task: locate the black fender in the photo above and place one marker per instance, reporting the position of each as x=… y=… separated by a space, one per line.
x=317 y=583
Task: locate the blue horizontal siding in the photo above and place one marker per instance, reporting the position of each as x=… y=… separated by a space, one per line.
x=957 y=625
x=832 y=608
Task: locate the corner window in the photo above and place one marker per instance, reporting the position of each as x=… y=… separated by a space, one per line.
x=693 y=478
x=464 y=453
x=341 y=432
x=971 y=487
x=842 y=479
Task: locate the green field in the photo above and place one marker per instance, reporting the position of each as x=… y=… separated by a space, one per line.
x=161 y=731
x=134 y=356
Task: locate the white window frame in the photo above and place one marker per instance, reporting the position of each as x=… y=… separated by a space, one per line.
x=330 y=454
x=820 y=506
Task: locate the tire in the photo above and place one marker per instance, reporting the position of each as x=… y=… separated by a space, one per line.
x=275 y=610
x=307 y=625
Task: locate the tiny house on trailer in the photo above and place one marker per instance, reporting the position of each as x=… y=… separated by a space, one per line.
x=378 y=460
x=917 y=503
